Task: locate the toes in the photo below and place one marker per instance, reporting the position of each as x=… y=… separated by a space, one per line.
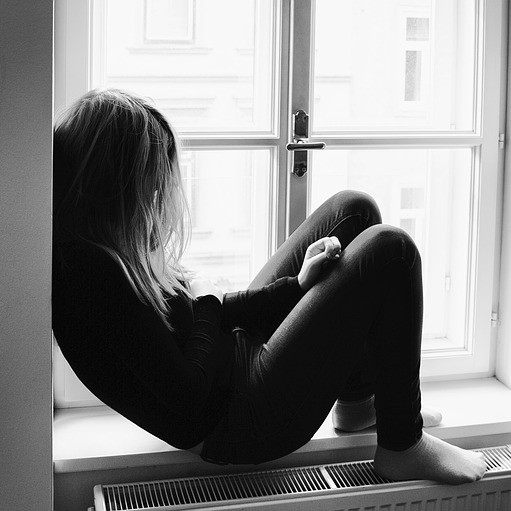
x=482 y=467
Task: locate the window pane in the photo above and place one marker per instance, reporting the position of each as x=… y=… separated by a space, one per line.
x=417 y=29
x=413 y=75
x=168 y=20
x=384 y=65
x=210 y=66
x=426 y=192
x=229 y=195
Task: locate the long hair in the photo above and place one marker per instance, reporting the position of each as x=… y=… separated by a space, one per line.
x=117 y=185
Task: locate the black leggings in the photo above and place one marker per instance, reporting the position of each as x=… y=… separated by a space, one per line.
x=355 y=333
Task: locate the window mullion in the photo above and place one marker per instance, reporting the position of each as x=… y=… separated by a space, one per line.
x=399 y=140
x=301 y=42
x=238 y=142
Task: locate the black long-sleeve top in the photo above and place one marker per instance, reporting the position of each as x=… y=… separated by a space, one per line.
x=174 y=384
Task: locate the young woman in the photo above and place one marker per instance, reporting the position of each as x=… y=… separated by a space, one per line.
x=334 y=317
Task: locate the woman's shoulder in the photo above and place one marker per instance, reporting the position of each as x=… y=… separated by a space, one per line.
x=90 y=291
x=77 y=247
x=82 y=258
x=85 y=273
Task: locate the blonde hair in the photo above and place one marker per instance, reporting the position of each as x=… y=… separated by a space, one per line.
x=117 y=185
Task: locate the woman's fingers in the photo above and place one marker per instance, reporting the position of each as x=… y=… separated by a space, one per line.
x=315 y=248
x=317 y=254
x=336 y=247
x=330 y=246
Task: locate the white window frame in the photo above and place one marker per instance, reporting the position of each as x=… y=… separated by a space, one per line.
x=294 y=23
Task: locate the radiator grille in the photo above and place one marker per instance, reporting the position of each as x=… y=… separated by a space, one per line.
x=214 y=488
x=350 y=475
x=192 y=492
x=497 y=458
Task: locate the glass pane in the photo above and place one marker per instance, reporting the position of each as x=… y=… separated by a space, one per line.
x=229 y=194
x=417 y=29
x=168 y=20
x=391 y=65
x=426 y=192
x=209 y=66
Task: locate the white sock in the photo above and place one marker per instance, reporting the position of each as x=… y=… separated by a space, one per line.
x=430 y=458
x=354 y=415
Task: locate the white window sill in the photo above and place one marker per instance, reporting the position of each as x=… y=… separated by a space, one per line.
x=476 y=413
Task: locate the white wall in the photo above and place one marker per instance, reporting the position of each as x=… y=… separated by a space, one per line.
x=25 y=249
x=503 y=365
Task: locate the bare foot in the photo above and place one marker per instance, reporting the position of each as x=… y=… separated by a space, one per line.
x=430 y=458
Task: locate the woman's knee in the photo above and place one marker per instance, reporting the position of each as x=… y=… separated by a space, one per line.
x=393 y=243
x=354 y=202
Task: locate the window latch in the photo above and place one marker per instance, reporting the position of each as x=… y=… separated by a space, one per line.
x=300 y=144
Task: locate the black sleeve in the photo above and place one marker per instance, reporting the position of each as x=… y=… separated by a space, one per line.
x=265 y=307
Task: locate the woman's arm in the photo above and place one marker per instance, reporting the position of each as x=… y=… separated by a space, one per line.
x=266 y=307
x=262 y=308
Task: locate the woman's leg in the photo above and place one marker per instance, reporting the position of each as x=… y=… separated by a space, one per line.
x=366 y=310
x=367 y=304
x=345 y=215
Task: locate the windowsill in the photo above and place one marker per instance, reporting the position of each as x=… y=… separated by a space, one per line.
x=476 y=413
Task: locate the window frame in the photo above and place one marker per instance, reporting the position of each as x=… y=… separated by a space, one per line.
x=294 y=22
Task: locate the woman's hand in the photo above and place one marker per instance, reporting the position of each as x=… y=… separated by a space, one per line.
x=321 y=251
x=199 y=287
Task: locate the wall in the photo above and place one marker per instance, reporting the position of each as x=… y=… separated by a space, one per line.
x=503 y=365
x=25 y=249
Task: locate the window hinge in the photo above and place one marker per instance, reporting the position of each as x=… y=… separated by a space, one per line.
x=495 y=321
x=502 y=140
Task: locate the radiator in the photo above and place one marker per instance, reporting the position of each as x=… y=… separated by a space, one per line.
x=350 y=486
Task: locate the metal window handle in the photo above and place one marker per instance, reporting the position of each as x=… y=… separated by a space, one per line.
x=300 y=144
x=305 y=146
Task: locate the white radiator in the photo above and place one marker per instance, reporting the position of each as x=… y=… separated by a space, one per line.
x=340 y=487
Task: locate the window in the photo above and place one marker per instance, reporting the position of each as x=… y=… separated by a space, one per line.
x=404 y=94
x=230 y=207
